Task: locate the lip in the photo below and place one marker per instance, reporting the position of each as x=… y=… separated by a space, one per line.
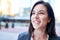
x=37 y=21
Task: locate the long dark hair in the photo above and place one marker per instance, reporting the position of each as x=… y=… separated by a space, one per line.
x=50 y=28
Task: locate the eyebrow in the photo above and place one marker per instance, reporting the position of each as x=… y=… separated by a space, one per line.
x=41 y=11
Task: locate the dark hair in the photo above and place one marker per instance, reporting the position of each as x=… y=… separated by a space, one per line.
x=50 y=29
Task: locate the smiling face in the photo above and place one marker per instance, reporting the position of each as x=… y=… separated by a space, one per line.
x=39 y=18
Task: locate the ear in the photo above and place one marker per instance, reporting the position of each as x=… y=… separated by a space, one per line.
x=49 y=19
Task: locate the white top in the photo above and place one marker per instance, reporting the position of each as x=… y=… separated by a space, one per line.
x=46 y=39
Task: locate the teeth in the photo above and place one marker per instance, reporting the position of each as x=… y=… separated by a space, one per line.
x=37 y=21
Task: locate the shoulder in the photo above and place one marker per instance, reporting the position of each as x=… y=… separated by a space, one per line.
x=23 y=36
x=55 y=38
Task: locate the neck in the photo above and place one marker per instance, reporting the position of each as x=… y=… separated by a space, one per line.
x=40 y=33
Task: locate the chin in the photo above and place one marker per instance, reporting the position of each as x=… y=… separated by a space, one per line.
x=36 y=27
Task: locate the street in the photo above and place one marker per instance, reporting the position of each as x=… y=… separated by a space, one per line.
x=11 y=34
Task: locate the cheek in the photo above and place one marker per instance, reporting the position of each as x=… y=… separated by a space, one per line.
x=44 y=19
x=32 y=18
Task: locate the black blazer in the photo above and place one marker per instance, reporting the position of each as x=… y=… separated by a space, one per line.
x=27 y=36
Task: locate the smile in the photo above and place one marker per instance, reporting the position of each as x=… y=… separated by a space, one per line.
x=36 y=21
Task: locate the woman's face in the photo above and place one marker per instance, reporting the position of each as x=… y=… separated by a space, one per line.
x=39 y=18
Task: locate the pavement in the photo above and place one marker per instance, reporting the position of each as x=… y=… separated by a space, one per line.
x=11 y=33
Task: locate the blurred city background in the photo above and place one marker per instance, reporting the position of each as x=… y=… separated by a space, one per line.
x=15 y=17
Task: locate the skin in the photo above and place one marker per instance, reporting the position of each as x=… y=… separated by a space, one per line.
x=39 y=20
x=39 y=17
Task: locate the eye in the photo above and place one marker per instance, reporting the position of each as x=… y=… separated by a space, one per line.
x=33 y=13
x=41 y=13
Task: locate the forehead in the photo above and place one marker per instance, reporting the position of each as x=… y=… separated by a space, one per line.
x=40 y=7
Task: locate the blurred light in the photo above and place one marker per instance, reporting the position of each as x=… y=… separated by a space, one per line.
x=57 y=9
x=14 y=6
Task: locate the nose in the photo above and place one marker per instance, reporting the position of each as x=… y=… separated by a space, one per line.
x=36 y=16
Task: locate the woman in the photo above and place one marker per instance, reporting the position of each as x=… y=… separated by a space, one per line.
x=42 y=23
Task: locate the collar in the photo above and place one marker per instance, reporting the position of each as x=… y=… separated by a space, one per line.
x=33 y=36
